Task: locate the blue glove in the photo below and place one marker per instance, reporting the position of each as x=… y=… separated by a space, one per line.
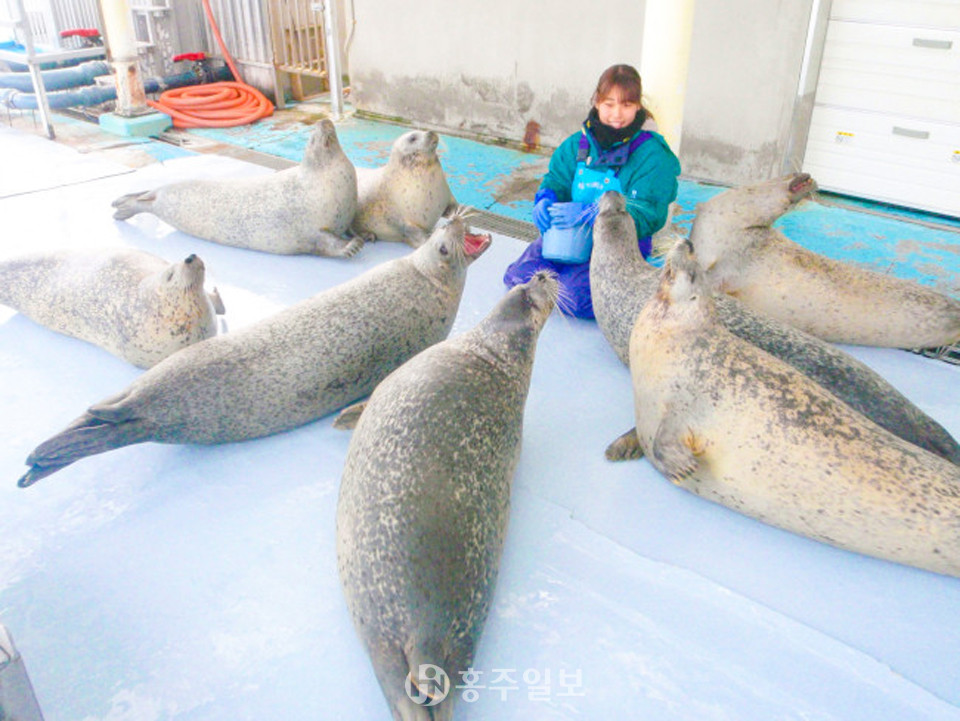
x=570 y=215
x=541 y=209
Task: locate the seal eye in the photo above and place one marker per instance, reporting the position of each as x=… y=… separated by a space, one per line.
x=443 y=250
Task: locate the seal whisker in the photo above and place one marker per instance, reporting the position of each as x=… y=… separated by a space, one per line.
x=565 y=302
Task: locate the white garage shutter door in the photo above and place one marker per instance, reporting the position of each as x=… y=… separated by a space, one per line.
x=886 y=121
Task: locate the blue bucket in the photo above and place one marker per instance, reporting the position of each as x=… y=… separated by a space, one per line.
x=568 y=245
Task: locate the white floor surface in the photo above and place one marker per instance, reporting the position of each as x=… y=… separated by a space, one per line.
x=199 y=583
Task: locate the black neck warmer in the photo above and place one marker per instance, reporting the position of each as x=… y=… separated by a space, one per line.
x=606 y=136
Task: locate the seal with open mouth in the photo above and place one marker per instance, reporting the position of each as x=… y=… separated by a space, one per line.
x=288 y=369
x=745 y=257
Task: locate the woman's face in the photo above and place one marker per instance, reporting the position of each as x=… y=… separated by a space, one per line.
x=615 y=111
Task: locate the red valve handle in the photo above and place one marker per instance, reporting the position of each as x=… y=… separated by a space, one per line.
x=80 y=32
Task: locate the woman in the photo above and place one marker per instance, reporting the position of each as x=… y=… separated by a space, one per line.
x=616 y=149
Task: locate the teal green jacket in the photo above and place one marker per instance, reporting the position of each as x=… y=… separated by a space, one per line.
x=648 y=179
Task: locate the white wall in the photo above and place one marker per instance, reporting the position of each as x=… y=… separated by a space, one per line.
x=745 y=63
x=487 y=67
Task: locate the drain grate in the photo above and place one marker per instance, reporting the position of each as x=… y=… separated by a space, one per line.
x=949 y=353
x=502 y=225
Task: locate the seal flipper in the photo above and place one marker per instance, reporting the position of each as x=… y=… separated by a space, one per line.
x=216 y=301
x=434 y=687
x=349 y=416
x=673 y=450
x=392 y=670
x=452 y=208
x=129 y=205
x=114 y=409
x=332 y=246
x=104 y=427
x=413 y=234
x=625 y=448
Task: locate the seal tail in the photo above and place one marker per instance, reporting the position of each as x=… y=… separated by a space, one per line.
x=86 y=436
x=129 y=205
x=430 y=689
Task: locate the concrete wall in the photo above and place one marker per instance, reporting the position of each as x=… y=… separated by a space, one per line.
x=745 y=63
x=487 y=67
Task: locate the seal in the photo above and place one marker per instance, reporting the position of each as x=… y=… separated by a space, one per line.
x=288 y=369
x=425 y=494
x=622 y=282
x=301 y=210
x=129 y=302
x=729 y=422
x=403 y=200
x=745 y=257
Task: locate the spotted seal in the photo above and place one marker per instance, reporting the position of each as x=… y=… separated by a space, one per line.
x=425 y=496
x=289 y=368
x=622 y=282
x=131 y=303
x=732 y=423
x=306 y=209
x=745 y=257
x=404 y=199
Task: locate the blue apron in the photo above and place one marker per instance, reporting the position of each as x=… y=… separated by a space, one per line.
x=588 y=185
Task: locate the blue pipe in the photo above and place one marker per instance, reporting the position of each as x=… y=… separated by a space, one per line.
x=82 y=74
x=96 y=94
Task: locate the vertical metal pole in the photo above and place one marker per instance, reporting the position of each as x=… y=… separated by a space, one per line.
x=33 y=66
x=122 y=46
x=331 y=37
x=17 y=700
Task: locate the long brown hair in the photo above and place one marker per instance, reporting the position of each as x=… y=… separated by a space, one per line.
x=624 y=77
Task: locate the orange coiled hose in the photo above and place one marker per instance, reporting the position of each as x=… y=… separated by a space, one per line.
x=214 y=105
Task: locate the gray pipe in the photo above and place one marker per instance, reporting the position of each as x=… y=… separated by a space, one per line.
x=97 y=94
x=82 y=74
